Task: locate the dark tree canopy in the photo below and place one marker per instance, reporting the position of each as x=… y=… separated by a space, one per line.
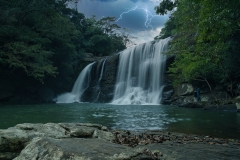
x=206 y=38
x=44 y=38
x=45 y=42
x=166 y=6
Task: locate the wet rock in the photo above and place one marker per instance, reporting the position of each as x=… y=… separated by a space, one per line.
x=103 y=135
x=49 y=148
x=104 y=128
x=14 y=139
x=184 y=89
x=94 y=130
x=190 y=105
x=103 y=78
x=89 y=57
x=82 y=132
x=73 y=125
x=8 y=155
x=230 y=107
x=61 y=141
x=11 y=145
x=167 y=94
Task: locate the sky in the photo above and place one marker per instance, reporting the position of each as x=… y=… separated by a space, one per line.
x=138 y=16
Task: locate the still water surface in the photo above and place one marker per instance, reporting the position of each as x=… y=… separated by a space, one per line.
x=134 y=117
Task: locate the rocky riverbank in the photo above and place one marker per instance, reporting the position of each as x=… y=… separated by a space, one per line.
x=93 y=141
x=182 y=96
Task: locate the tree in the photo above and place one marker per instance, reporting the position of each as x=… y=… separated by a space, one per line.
x=108 y=25
x=39 y=37
x=103 y=37
x=166 y=6
x=168 y=30
x=21 y=46
x=205 y=34
x=45 y=41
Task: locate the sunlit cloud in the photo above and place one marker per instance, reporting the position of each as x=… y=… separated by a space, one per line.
x=145 y=36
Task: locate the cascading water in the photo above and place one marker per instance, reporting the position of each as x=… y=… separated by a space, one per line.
x=138 y=79
x=100 y=78
x=140 y=74
x=81 y=84
x=102 y=69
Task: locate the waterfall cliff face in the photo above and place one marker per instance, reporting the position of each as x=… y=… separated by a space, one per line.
x=134 y=76
x=81 y=84
x=140 y=74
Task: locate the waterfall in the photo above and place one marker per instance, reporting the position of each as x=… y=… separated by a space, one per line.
x=100 y=78
x=81 y=84
x=134 y=76
x=140 y=74
x=101 y=74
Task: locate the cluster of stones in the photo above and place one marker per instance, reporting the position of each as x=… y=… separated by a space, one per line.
x=62 y=141
x=77 y=141
x=149 y=137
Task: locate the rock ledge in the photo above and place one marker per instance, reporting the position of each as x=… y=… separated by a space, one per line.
x=83 y=141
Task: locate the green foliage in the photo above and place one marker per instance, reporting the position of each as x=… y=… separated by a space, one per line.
x=45 y=38
x=168 y=30
x=205 y=40
x=28 y=31
x=103 y=37
x=165 y=6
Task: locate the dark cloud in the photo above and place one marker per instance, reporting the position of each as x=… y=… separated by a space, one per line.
x=132 y=14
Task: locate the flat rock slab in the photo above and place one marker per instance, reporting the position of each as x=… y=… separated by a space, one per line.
x=197 y=151
x=76 y=141
x=13 y=140
x=77 y=148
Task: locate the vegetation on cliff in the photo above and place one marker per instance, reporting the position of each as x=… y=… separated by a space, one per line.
x=43 y=41
x=206 y=38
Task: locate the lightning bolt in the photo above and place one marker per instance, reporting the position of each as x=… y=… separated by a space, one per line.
x=120 y=17
x=149 y=16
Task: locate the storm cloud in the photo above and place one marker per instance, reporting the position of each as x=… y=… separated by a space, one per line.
x=136 y=15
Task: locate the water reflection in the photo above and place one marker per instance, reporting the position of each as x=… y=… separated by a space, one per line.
x=134 y=117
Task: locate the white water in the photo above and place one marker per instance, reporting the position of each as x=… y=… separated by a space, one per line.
x=140 y=74
x=81 y=84
x=100 y=78
x=139 y=77
x=101 y=74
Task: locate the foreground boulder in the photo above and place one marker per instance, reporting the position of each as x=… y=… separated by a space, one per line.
x=80 y=141
x=50 y=148
x=15 y=139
